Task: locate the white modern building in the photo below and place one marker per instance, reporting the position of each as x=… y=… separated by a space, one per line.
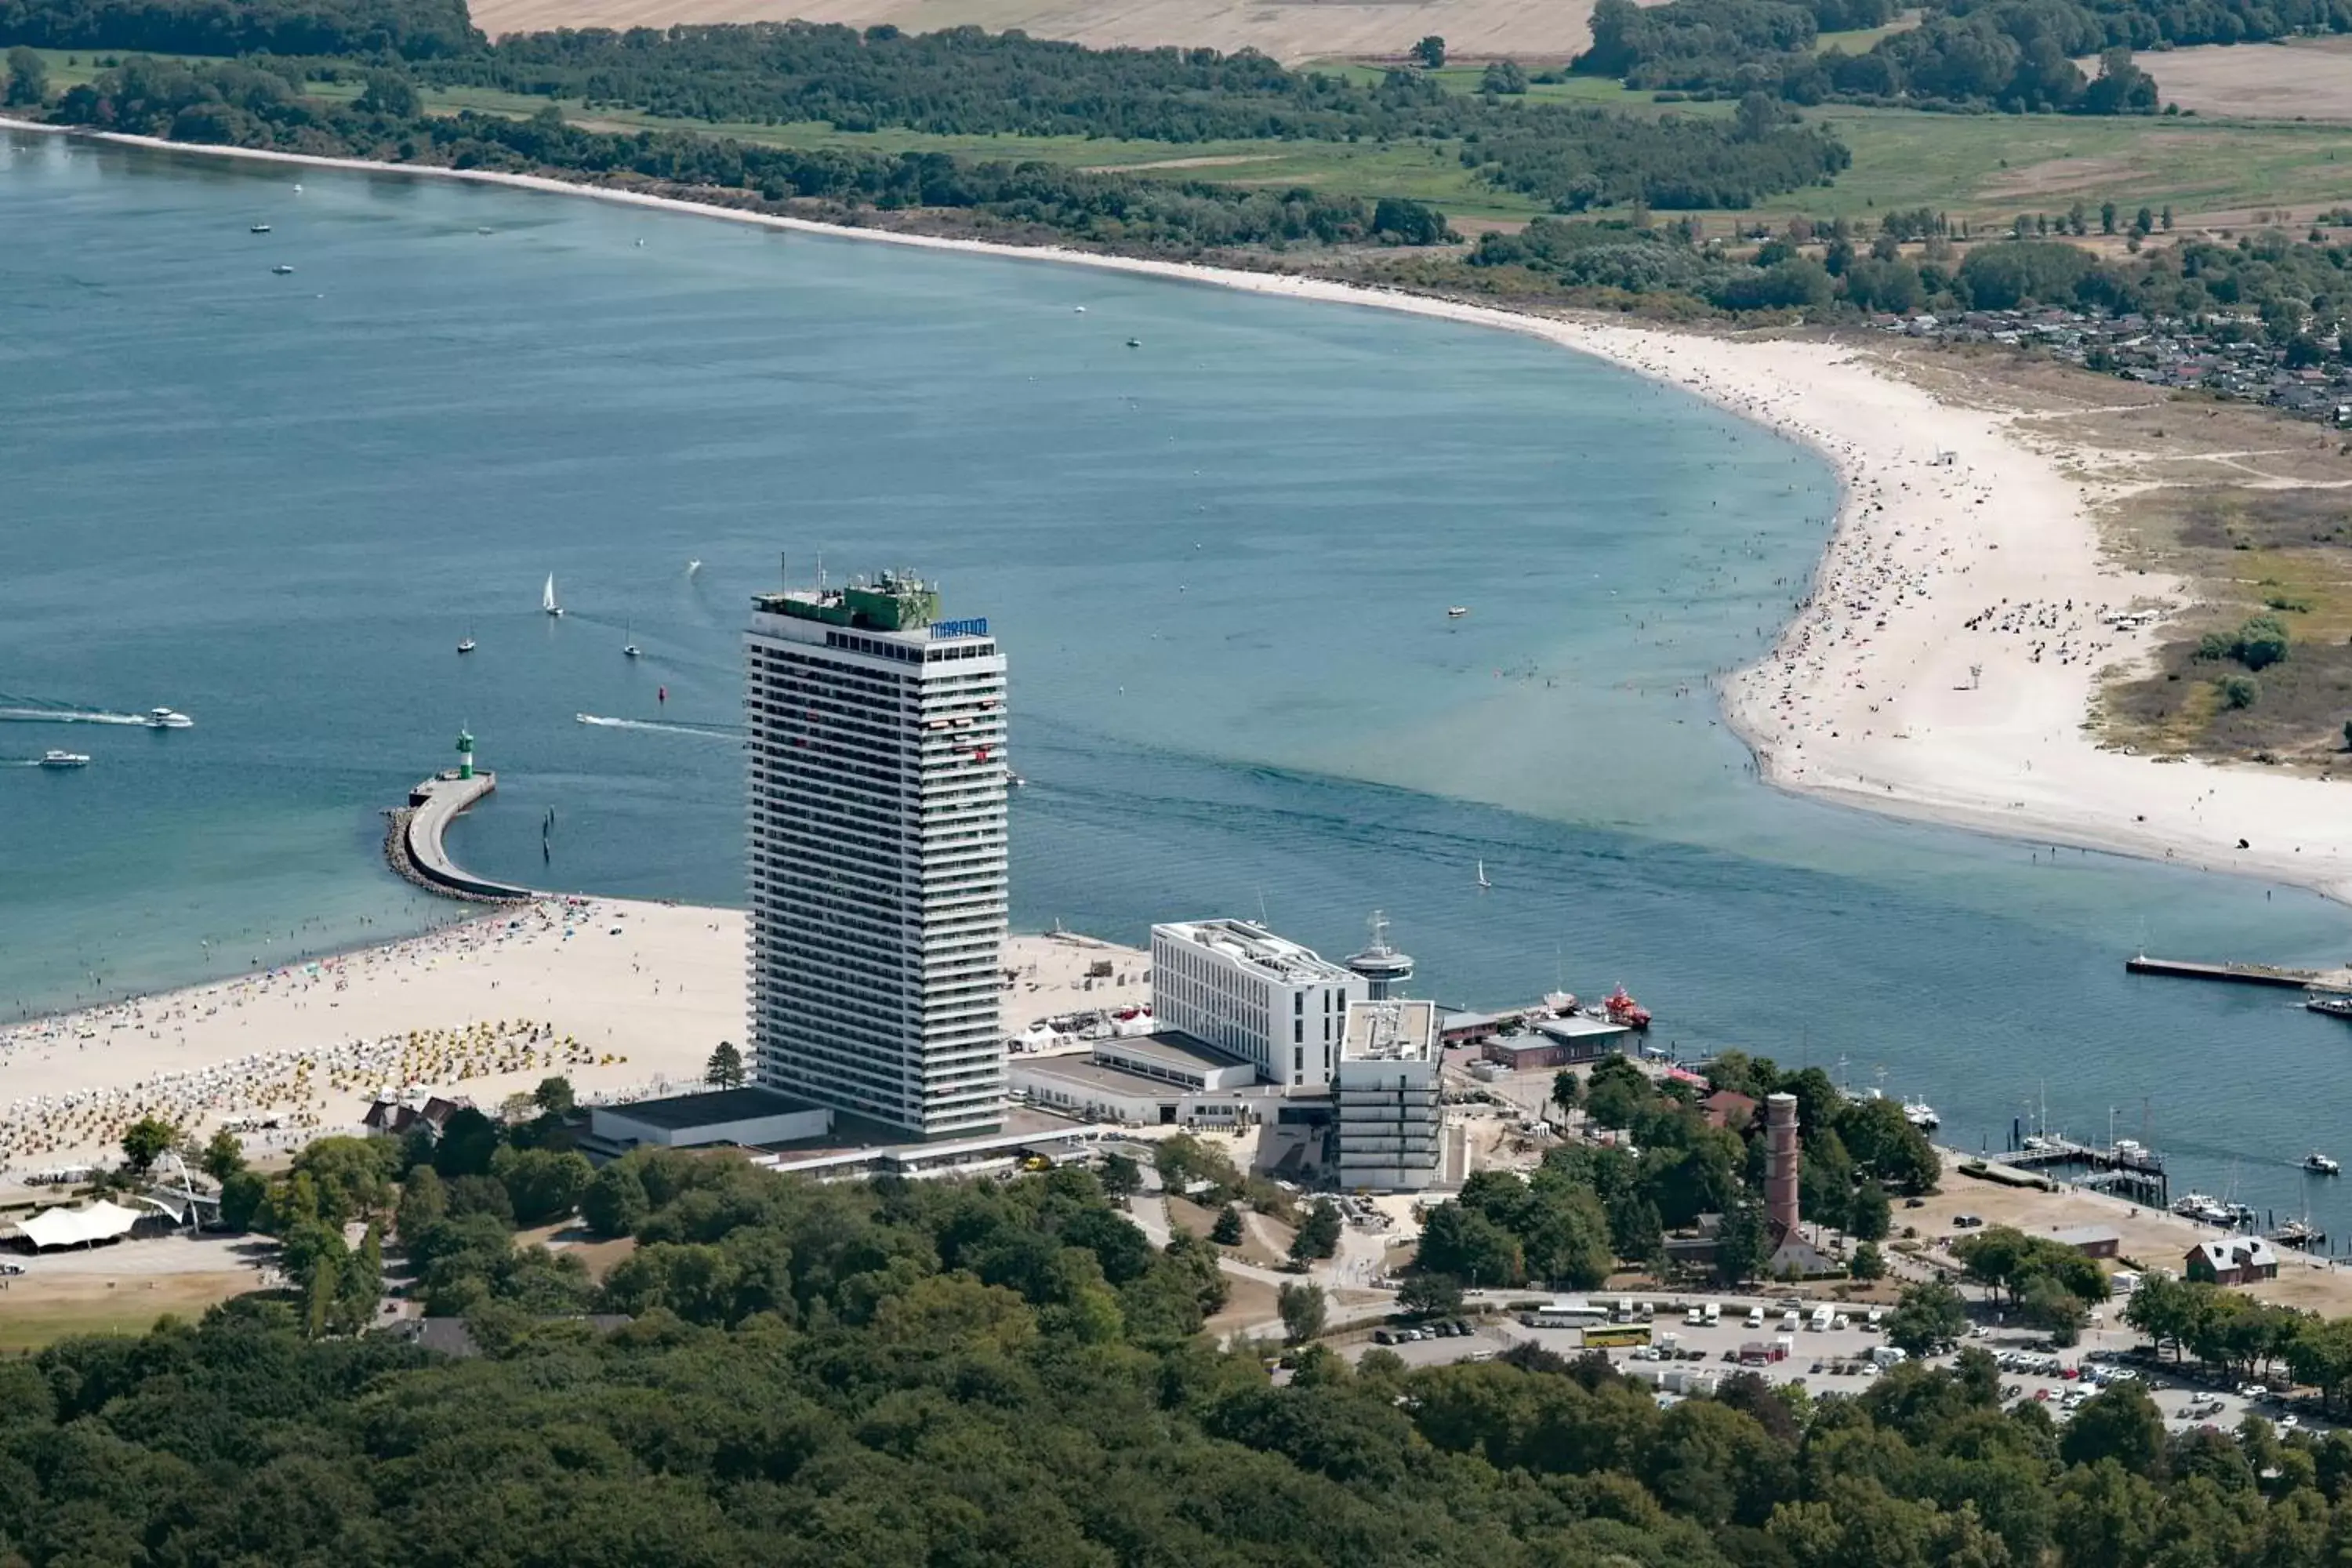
x=1264 y=998
x=1388 y=1096
x=877 y=850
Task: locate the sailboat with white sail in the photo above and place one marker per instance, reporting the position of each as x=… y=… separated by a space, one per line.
x=1482 y=876
x=547 y=598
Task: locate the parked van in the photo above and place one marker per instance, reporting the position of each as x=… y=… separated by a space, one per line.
x=1821 y=1319
x=1712 y=1314
x=1789 y=1322
x=1755 y=1317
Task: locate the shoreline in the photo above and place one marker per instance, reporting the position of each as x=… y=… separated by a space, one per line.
x=1878 y=694
x=623 y=998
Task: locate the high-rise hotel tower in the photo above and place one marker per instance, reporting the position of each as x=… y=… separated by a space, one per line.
x=878 y=840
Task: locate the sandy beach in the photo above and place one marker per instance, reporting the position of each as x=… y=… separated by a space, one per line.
x=1943 y=663
x=622 y=998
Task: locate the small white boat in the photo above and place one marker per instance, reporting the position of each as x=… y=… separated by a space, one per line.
x=466 y=645
x=692 y=567
x=1078 y=309
x=297 y=190
x=281 y=269
x=630 y=649
x=1456 y=612
x=2321 y=1164
x=64 y=760
x=1481 y=875
x=165 y=718
x=1922 y=1115
x=547 y=598
x=1135 y=343
x=259 y=228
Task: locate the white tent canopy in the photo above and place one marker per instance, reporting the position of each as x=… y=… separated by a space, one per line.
x=101 y=1221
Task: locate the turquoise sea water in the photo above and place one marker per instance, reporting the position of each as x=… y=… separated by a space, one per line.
x=1220 y=562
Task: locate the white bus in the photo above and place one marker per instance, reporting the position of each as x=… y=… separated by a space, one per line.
x=1569 y=1313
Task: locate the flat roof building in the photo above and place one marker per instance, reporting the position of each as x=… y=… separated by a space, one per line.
x=1264 y=998
x=1559 y=1042
x=1162 y=1080
x=1388 y=1096
x=739 y=1116
x=878 y=870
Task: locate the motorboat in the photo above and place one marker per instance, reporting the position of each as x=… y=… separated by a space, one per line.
x=281 y=269
x=547 y=598
x=466 y=646
x=165 y=718
x=64 y=760
x=261 y=229
x=1619 y=1007
x=2201 y=1206
x=1135 y=343
x=1922 y=1115
x=2300 y=1233
x=1456 y=612
x=2320 y=1165
x=2334 y=1007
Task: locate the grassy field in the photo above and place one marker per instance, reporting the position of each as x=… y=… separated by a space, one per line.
x=1985 y=169
x=1860 y=40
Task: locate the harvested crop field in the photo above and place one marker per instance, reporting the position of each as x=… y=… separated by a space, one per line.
x=1287 y=29
x=2308 y=78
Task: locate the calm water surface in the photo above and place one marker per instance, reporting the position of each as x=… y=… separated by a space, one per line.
x=1220 y=562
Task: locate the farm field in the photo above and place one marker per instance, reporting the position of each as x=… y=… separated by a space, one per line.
x=1287 y=29
x=2307 y=79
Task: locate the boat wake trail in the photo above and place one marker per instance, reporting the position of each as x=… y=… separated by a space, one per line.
x=662 y=727
x=62 y=715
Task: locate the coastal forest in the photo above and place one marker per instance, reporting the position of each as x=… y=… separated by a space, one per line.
x=1007 y=1371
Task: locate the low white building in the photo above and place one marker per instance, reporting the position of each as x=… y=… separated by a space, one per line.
x=1239 y=987
x=1164 y=1079
x=1388 y=1096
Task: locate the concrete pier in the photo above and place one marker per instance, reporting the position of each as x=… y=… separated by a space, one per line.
x=2332 y=979
x=413 y=843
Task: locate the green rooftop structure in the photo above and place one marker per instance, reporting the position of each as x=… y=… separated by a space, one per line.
x=893 y=602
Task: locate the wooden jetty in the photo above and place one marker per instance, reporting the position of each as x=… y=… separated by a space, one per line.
x=2236 y=974
x=2134 y=1170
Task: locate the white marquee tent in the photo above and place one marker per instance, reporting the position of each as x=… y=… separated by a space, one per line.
x=101 y=1221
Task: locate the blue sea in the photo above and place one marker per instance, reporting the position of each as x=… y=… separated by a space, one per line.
x=1220 y=562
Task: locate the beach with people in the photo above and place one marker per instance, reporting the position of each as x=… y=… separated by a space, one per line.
x=622 y=998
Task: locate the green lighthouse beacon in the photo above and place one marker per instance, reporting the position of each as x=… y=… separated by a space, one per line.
x=465 y=754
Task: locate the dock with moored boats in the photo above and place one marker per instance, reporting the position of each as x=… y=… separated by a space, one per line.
x=2126 y=1167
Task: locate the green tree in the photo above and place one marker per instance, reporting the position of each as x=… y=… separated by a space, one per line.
x=1928 y=1315
x=1318 y=1233
x=1303 y=1310
x=2107 y=217
x=1741 y=1247
x=1469 y=1247
x=1430 y=1296
x=1869 y=1216
x=555 y=1096
x=223 y=1157
x=725 y=1067
x=28 y=79
x=469 y=1139
x=1568 y=1089
x=390 y=94
x=1868 y=1263
x=1122 y=1178
x=614 y=1204
x=423 y=1203
x=242 y=1194
x=1431 y=51
x=1404 y=221
x=146 y=1140
x=2048 y=1305
x=1227 y=1230
x=542 y=1185
x=1504 y=78
x=2121 y=1423
x=2240 y=691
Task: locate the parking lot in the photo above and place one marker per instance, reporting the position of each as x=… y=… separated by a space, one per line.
x=1839 y=1360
